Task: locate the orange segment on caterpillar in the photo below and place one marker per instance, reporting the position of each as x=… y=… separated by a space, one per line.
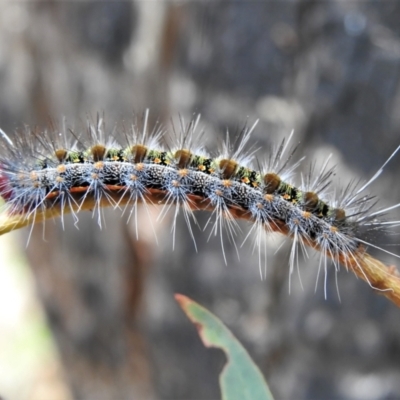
x=46 y=173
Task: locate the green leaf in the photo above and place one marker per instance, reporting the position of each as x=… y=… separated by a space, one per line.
x=240 y=379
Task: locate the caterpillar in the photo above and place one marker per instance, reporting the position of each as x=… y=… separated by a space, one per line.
x=47 y=173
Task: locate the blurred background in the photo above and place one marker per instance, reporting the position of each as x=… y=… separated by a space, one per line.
x=89 y=313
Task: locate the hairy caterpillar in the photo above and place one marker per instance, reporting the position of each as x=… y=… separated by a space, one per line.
x=48 y=173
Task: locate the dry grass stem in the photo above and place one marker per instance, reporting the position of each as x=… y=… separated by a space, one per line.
x=381 y=277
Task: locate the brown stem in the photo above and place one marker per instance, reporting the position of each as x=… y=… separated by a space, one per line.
x=379 y=276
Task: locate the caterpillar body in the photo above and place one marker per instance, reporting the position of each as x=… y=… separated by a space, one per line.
x=47 y=173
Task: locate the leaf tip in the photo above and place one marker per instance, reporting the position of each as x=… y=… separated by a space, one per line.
x=182 y=300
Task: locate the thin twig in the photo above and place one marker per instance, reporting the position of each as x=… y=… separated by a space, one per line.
x=379 y=276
